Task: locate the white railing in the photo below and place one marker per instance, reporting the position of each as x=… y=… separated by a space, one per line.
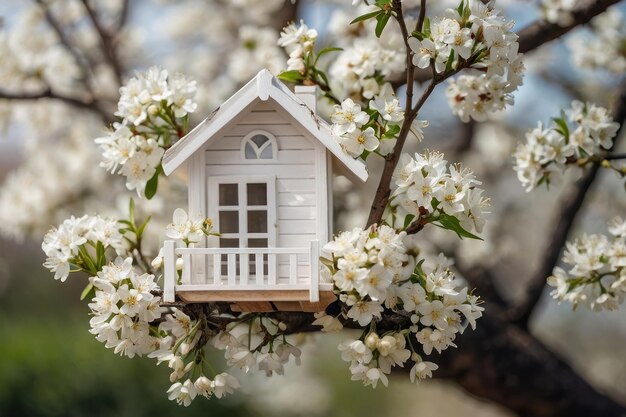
x=241 y=269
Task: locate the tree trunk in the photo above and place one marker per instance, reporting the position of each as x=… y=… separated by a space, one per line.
x=501 y=362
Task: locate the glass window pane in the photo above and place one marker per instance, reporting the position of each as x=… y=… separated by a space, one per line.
x=257 y=194
x=267 y=152
x=257 y=243
x=229 y=243
x=257 y=221
x=228 y=195
x=259 y=140
x=229 y=222
x=250 y=151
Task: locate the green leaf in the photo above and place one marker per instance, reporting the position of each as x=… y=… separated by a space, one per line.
x=419 y=35
x=86 y=291
x=153 y=184
x=407 y=220
x=460 y=8
x=100 y=258
x=142 y=227
x=392 y=131
x=562 y=127
x=426 y=27
x=450 y=61
x=382 y=20
x=452 y=223
x=131 y=212
x=322 y=75
x=325 y=51
x=292 y=76
x=367 y=16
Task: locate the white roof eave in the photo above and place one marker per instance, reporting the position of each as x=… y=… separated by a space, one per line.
x=263 y=86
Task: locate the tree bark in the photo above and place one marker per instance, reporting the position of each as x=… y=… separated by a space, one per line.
x=503 y=363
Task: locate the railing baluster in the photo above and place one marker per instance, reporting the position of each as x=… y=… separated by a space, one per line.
x=186 y=277
x=217 y=269
x=243 y=269
x=232 y=269
x=293 y=268
x=258 y=259
x=271 y=268
x=169 y=264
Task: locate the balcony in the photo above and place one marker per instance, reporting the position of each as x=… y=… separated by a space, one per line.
x=251 y=279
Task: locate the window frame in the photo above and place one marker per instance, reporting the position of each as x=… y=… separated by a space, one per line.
x=248 y=139
x=242 y=207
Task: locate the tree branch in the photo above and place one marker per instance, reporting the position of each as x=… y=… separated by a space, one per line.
x=540 y=32
x=564 y=220
x=391 y=161
x=87 y=104
x=106 y=41
x=499 y=362
x=65 y=42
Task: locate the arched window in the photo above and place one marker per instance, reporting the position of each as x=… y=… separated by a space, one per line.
x=258 y=145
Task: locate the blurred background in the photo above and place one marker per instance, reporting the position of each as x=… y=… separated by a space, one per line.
x=51 y=366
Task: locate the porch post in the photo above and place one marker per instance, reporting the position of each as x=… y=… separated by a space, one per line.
x=314 y=291
x=169 y=271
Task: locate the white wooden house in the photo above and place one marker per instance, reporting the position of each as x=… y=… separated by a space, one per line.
x=261 y=167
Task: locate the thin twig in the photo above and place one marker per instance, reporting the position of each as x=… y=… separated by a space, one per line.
x=106 y=42
x=541 y=32
x=86 y=104
x=65 y=42
x=123 y=18
x=391 y=161
x=419 y=25
x=410 y=68
x=615 y=156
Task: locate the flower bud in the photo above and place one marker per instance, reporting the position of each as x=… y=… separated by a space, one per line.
x=282 y=326
x=204 y=385
x=153 y=110
x=386 y=345
x=179 y=264
x=157 y=262
x=371 y=340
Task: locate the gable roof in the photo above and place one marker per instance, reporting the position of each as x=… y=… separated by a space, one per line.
x=264 y=86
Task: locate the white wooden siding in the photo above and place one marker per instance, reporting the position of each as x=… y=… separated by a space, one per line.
x=295 y=170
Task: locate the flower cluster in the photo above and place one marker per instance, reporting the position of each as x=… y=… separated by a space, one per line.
x=371 y=360
x=429 y=190
x=360 y=132
x=154 y=109
x=558 y=11
x=364 y=263
x=348 y=127
x=472 y=36
x=77 y=241
x=359 y=68
x=597 y=274
x=377 y=269
x=256 y=45
x=188 y=229
x=184 y=355
x=247 y=346
x=604 y=48
x=550 y=150
x=124 y=308
x=298 y=41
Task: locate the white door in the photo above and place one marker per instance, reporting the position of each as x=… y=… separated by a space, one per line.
x=243 y=209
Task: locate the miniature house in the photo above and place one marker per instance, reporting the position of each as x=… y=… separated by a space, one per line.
x=261 y=167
